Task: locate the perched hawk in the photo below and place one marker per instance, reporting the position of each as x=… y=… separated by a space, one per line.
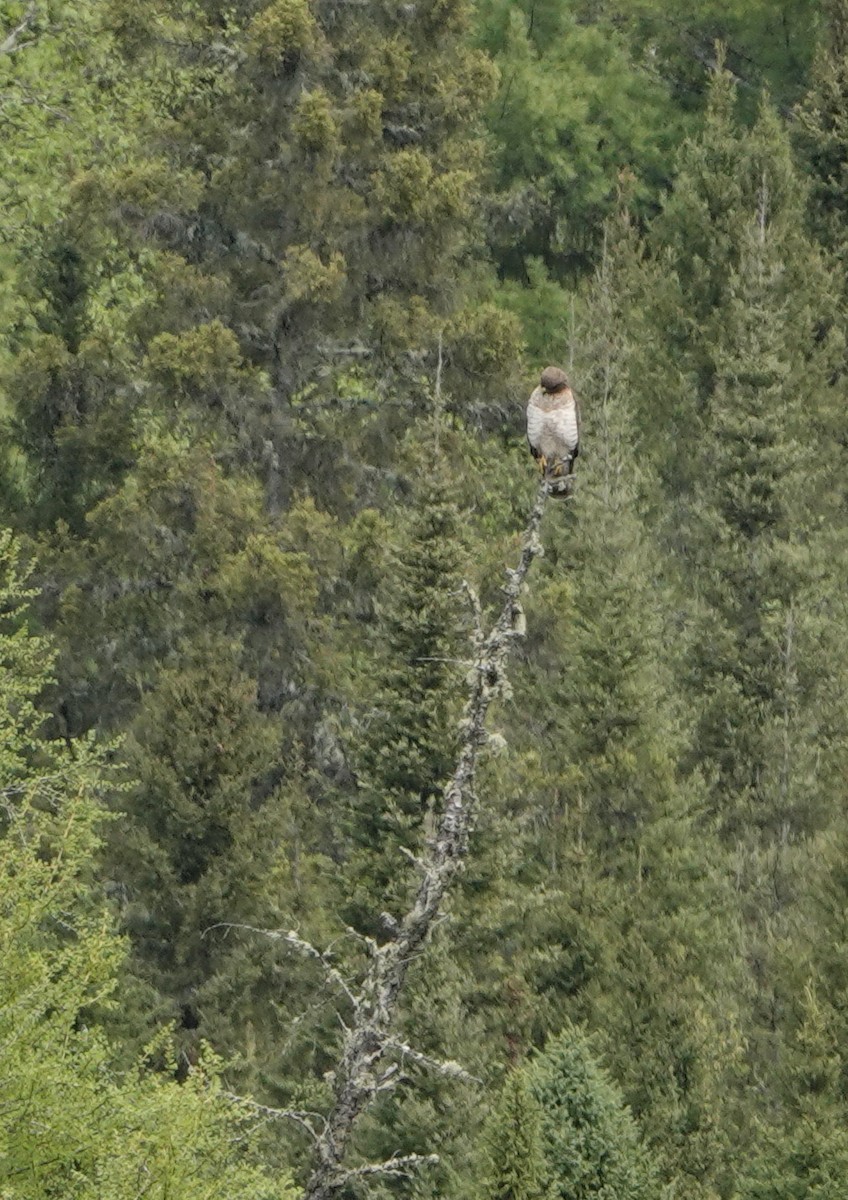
x=553 y=429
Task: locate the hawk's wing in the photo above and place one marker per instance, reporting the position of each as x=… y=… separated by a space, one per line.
x=535 y=422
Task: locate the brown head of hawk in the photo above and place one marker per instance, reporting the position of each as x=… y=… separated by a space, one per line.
x=553 y=429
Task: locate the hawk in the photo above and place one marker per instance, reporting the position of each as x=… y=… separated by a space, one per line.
x=553 y=429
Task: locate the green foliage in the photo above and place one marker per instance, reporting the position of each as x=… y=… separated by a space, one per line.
x=239 y=240
x=407 y=743
x=282 y=32
x=768 y=45
x=754 y=532
x=562 y=146
x=823 y=131
x=203 y=843
x=590 y=1140
x=516 y=1166
x=618 y=865
x=808 y=1156
x=74 y=1124
x=25 y=663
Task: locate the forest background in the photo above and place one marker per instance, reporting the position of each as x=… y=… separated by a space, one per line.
x=277 y=280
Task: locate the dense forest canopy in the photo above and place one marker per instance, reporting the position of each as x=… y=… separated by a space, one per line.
x=277 y=279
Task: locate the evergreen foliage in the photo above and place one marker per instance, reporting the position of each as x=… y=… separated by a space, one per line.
x=823 y=124
x=590 y=1140
x=408 y=743
x=516 y=1168
x=275 y=278
x=73 y=1122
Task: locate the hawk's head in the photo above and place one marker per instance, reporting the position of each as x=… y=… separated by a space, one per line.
x=553 y=380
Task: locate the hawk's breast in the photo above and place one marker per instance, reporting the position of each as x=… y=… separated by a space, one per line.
x=552 y=423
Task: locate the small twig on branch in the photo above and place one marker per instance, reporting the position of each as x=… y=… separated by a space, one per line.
x=453 y=662
x=310 y=951
x=368 y=942
x=390 y=1079
x=417 y=861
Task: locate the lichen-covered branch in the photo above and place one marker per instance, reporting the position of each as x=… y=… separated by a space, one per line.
x=359 y=1074
x=303 y=947
x=401 y=1165
x=307 y=1120
x=450 y=1069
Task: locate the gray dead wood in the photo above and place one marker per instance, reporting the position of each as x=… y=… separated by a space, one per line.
x=363 y=1070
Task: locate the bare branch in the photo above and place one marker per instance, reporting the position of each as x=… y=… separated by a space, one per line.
x=476 y=612
x=390 y=1079
x=453 y=662
x=291 y=938
x=301 y=1117
x=452 y=1070
x=310 y=951
x=389 y=922
x=438 y=401
x=419 y=863
x=400 y=1165
x=338 y=350
x=368 y=942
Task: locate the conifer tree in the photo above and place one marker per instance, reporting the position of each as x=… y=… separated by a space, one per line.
x=183 y=623
x=75 y=1122
x=804 y=1151
x=756 y=543
x=765 y=467
x=516 y=1167
x=202 y=828
x=616 y=859
x=823 y=133
x=408 y=743
x=346 y=198
x=591 y=1142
